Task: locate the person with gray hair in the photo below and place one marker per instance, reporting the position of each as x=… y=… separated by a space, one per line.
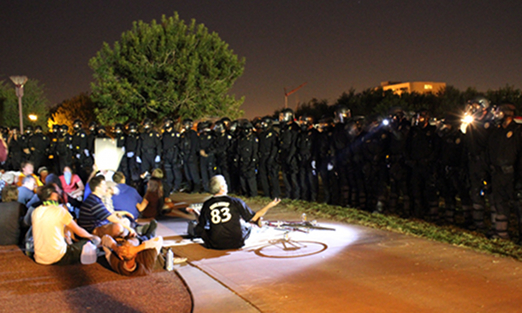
x=220 y=222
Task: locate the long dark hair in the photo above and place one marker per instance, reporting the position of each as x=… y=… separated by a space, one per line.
x=155 y=186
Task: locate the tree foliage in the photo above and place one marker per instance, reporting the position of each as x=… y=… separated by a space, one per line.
x=34 y=101
x=165 y=69
x=80 y=107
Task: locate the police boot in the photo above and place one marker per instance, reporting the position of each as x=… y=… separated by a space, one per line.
x=478 y=217
x=501 y=227
x=449 y=215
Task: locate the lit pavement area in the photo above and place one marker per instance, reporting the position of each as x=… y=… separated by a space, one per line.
x=351 y=269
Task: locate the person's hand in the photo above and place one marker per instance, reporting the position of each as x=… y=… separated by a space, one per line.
x=274 y=202
x=95 y=240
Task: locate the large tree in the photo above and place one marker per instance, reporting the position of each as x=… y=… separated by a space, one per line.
x=34 y=102
x=165 y=69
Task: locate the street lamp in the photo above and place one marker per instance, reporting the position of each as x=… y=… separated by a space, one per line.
x=19 y=82
x=33 y=117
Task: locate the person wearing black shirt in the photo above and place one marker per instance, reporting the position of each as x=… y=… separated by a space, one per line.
x=220 y=221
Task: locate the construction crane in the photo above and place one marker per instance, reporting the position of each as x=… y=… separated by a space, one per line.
x=291 y=92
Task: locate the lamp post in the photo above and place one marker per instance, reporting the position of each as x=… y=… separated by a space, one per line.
x=19 y=82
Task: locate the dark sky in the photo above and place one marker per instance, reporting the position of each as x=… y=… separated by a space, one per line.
x=331 y=45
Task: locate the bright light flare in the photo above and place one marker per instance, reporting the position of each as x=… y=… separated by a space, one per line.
x=468 y=119
x=33 y=117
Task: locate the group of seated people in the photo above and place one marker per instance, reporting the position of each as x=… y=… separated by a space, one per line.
x=63 y=216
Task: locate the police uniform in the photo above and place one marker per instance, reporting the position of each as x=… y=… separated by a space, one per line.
x=131 y=153
x=207 y=161
x=504 y=150
x=268 y=169
x=172 y=162
x=39 y=145
x=149 y=149
x=190 y=150
x=81 y=153
x=325 y=162
x=220 y=148
x=247 y=148
x=422 y=153
x=374 y=151
x=288 y=158
x=398 y=172
x=307 y=156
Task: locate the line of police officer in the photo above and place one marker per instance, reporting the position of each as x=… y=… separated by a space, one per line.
x=390 y=165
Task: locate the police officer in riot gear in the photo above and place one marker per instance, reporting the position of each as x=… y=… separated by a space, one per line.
x=268 y=169
x=26 y=137
x=343 y=166
x=504 y=155
x=307 y=156
x=233 y=157
x=80 y=151
x=423 y=149
x=247 y=148
x=288 y=153
x=453 y=172
x=326 y=155
x=220 y=148
x=398 y=172
x=206 y=155
x=131 y=153
x=149 y=147
x=477 y=131
x=172 y=163
x=374 y=149
x=38 y=145
x=120 y=136
x=190 y=150
x=63 y=150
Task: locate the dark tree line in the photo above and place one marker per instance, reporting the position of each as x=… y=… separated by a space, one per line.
x=376 y=101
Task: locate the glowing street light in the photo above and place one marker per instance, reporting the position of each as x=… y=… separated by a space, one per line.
x=19 y=82
x=33 y=117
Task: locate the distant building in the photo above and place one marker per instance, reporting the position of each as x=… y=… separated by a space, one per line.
x=409 y=87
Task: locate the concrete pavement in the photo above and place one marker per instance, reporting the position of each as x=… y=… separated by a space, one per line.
x=353 y=269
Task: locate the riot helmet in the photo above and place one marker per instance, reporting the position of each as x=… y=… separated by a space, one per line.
x=286 y=115
x=343 y=114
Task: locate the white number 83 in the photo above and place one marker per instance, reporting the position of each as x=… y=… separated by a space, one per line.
x=220 y=215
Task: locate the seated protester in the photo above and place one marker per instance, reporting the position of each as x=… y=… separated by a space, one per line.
x=219 y=223
x=152 y=204
x=95 y=217
x=27 y=169
x=95 y=172
x=42 y=173
x=72 y=186
x=129 y=257
x=11 y=213
x=125 y=198
x=25 y=192
x=112 y=189
x=50 y=222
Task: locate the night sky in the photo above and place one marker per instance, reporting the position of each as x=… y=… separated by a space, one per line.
x=331 y=45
